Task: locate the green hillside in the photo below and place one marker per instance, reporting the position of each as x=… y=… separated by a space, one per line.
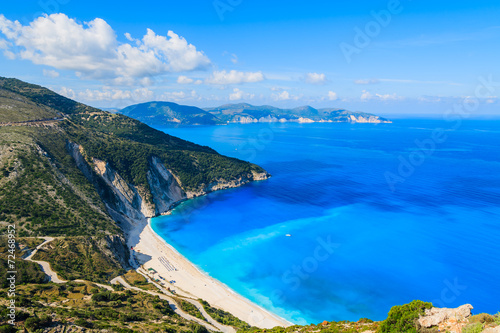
x=45 y=193
x=167 y=113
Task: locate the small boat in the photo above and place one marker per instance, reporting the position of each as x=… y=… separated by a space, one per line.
x=288 y=235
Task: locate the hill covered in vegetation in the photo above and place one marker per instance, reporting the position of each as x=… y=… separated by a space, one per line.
x=166 y=113
x=81 y=175
x=247 y=113
x=70 y=170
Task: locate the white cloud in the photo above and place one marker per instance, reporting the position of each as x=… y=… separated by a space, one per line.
x=430 y=99
x=239 y=94
x=4 y=45
x=142 y=94
x=108 y=94
x=184 y=80
x=9 y=55
x=389 y=97
x=367 y=81
x=198 y=82
x=93 y=50
x=332 y=96
x=50 y=73
x=284 y=96
x=178 y=96
x=234 y=77
x=234 y=58
x=67 y=92
x=366 y=95
x=129 y=37
x=315 y=78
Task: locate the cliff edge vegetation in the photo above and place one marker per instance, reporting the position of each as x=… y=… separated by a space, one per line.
x=71 y=171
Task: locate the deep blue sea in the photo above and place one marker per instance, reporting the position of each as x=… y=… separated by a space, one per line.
x=377 y=215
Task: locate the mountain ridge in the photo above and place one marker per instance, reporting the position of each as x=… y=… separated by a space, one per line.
x=168 y=113
x=69 y=170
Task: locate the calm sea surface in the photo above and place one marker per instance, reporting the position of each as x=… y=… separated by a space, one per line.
x=356 y=218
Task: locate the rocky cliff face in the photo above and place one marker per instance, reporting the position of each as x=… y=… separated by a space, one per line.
x=273 y=119
x=131 y=204
x=223 y=184
x=368 y=119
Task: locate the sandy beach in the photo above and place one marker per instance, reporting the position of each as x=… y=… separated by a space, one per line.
x=153 y=252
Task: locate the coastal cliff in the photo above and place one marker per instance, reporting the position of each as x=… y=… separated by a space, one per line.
x=87 y=176
x=130 y=203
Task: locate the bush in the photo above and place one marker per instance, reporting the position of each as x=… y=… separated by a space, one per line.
x=365 y=321
x=482 y=318
x=402 y=318
x=117 y=287
x=7 y=329
x=473 y=328
x=196 y=328
x=224 y=317
x=106 y=296
x=32 y=324
x=83 y=323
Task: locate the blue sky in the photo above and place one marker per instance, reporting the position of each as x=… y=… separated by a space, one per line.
x=386 y=57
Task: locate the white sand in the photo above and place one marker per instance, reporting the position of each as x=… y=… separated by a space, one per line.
x=191 y=282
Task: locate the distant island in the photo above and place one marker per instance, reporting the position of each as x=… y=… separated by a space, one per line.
x=77 y=187
x=168 y=113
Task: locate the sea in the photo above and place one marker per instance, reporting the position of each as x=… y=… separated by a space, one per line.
x=355 y=219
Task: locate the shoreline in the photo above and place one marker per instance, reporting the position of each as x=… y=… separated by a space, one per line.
x=153 y=252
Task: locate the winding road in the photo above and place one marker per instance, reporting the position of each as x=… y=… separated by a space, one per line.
x=210 y=324
x=45 y=265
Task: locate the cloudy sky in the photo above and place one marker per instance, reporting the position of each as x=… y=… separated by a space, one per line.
x=387 y=57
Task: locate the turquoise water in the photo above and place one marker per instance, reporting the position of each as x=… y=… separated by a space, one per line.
x=375 y=218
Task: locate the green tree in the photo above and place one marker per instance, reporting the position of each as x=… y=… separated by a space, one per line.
x=402 y=318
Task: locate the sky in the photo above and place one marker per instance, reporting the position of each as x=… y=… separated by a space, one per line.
x=392 y=57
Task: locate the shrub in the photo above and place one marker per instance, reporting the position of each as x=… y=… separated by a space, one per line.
x=7 y=329
x=473 y=328
x=497 y=318
x=106 y=296
x=402 y=318
x=196 y=328
x=365 y=321
x=83 y=323
x=117 y=287
x=32 y=324
x=482 y=318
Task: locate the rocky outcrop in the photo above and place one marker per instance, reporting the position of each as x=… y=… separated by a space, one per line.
x=223 y=184
x=126 y=202
x=293 y=119
x=164 y=187
x=131 y=204
x=367 y=119
x=451 y=320
x=114 y=246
